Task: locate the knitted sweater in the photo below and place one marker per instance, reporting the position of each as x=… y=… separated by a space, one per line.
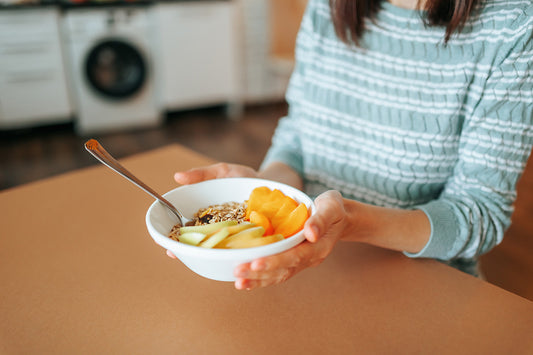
x=408 y=121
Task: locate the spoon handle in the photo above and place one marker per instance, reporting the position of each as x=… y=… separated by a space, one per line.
x=105 y=158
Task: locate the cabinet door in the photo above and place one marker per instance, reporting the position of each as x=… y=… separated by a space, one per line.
x=197 y=61
x=32 y=78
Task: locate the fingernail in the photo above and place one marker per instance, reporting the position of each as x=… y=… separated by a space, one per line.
x=238 y=284
x=241 y=284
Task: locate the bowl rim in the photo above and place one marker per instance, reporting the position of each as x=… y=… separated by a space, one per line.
x=268 y=249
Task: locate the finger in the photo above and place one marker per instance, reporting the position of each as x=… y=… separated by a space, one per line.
x=215 y=171
x=268 y=278
x=276 y=266
x=245 y=284
x=240 y=284
x=248 y=284
x=311 y=232
x=194 y=175
x=170 y=254
x=279 y=268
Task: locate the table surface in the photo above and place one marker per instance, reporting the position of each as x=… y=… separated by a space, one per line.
x=80 y=274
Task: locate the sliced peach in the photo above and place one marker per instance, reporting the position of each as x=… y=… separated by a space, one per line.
x=294 y=222
x=272 y=203
x=283 y=211
x=261 y=220
x=257 y=198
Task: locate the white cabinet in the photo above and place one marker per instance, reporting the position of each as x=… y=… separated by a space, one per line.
x=33 y=87
x=198 y=54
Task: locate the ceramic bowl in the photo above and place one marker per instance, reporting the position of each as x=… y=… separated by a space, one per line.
x=216 y=264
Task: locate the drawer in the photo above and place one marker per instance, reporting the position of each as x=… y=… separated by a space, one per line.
x=33 y=18
x=30 y=57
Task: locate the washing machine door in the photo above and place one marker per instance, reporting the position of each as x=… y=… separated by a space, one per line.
x=115 y=69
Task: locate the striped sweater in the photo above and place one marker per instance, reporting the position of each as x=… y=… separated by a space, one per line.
x=408 y=121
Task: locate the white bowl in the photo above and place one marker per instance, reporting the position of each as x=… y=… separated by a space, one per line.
x=216 y=264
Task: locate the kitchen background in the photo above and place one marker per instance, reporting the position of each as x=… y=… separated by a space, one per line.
x=132 y=73
x=138 y=74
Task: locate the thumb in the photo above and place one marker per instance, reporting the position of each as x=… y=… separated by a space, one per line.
x=329 y=211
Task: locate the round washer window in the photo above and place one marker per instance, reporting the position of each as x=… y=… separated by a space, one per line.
x=115 y=69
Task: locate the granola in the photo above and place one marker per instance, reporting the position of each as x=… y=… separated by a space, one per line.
x=229 y=211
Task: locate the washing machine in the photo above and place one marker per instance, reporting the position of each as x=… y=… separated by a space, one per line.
x=111 y=67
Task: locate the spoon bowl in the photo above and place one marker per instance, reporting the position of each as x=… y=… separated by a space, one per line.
x=96 y=149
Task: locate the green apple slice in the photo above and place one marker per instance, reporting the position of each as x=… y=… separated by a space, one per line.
x=191 y=238
x=256 y=242
x=240 y=227
x=215 y=238
x=207 y=228
x=247 y=234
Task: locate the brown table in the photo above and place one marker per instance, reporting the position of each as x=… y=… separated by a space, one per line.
x=80 y=275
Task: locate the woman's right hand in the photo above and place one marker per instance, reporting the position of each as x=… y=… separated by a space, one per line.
x=215 y=171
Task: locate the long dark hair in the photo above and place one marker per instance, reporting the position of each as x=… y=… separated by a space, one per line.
x=349 y=16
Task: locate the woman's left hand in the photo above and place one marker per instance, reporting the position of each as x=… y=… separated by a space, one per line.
x=322 y=231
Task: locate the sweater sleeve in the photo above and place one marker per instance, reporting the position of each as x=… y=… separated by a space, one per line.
x=474 y=209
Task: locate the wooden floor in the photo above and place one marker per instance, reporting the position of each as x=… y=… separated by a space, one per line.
x=28 y=155
x=33 y=154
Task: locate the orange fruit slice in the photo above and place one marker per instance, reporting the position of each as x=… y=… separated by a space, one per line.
x=294 y=222
x=261 y=220
x=257 y=198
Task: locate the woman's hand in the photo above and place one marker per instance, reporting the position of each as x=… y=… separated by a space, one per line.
x=322 y=231
x=215 y=171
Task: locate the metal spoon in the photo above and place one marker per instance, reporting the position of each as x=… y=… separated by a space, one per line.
x=105 y=158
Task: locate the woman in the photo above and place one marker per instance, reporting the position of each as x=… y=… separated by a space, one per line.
x=411 y=121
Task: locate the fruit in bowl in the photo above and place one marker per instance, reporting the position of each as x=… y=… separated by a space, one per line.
x=267 y=216
x=272 y=223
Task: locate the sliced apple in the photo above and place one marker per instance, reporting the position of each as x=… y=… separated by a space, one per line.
x=191 y=238
x=257 y=242
x=247 y=234
x=207 y=228
x=215 y=238
x=240 y=227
